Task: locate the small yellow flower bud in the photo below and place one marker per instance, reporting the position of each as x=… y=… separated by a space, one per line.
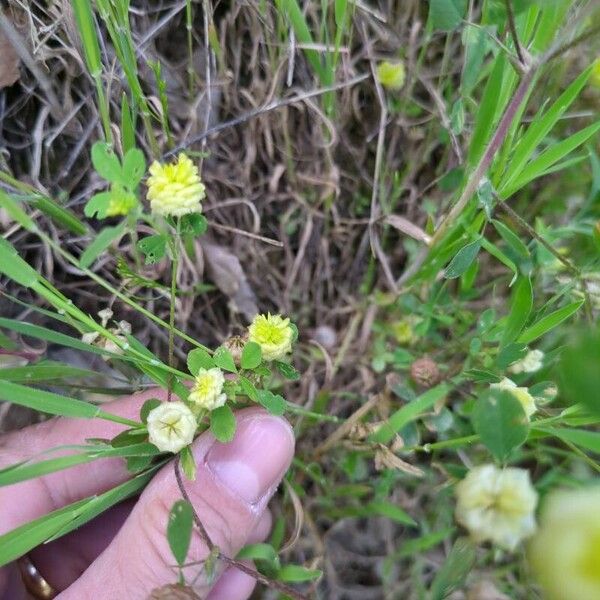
x=171 y=426
x=391 y=74
x=530 y=363
x=273 y=334
x=520 y=393
x=497 y=505
x=175 y=189
x=565 y=553
x=207 y=390
x=404 y=330
x=121 y=202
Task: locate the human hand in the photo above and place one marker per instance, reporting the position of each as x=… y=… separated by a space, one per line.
x=124 y=553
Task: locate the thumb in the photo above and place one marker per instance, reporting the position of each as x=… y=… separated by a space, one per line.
x=233 y=485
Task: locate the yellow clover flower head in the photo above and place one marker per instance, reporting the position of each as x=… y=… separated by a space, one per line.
x=175 y=189
x=530 y=363
x=273 y=334
x=122 y=202
x=497 y=505
x=595 y=75
x=171 y=426
x=565 y=553
x=404 y=330
x=391 y=75
x=207 y=390
x=520 y=393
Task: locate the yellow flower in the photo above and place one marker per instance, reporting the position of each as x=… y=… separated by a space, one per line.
x=497 y=505
x=121 y=201
x=404 y=331
x=565 y=553
x=171 y=426
x=595 y=76
x=520 y=393
x=391 y=74
x=175 y=189
x=273 y=334
x=207 y=390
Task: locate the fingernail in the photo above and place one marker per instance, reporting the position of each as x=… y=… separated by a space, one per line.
x=252 y=464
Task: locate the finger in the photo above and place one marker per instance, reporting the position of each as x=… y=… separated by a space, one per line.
x=233 y=485
x=63 y=561
x=28 y=500
x=233 y=585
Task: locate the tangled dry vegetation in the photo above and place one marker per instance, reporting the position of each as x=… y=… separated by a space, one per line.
x=312 y=213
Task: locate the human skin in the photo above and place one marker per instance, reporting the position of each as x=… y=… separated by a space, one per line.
x=124 y=552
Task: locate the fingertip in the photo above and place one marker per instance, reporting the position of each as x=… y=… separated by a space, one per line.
x=233 y=585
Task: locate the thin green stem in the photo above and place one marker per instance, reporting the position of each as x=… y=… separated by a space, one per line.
x=172 y=300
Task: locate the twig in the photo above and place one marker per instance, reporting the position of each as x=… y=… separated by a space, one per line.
x=275 y=104
x=231 y=562
x=513 y=30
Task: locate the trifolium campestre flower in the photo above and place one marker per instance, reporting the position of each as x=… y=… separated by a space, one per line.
x=520 y=393
x=497 y=505
x=530 y=363
x=175 y=189
x=391 y=75
x=565 y=552
x=273 y=334
x=207 y=390
x=171 y=426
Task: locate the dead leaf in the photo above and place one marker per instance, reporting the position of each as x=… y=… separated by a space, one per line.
x=173 y=592
x=386 y=459
x=9 y=63
x=405 y=226
x=228 y=275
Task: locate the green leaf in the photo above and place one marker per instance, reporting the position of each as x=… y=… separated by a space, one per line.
x=446 y=15
x=263 y=552
x=540 y=128
x=520 y=309
x=153 y=247
x=222 y=423
x=198 y=359
x=179 y=530
x=106 y=163
x=44 y=371
x=97 y=205
x=15 y=212
x=287 y=370
x=297 y=574
x=127 y=125
x=578 y=369
x=409 y=412
x=510 y=354
x=512 y=239
x=549 y=322
x=462 y=260
x=453 y=574
x=14 y=267
x=147 y=407
x=248 y=388
x=391 y=511
x=274 y=403
x=224 y=360
x=188 y=463
x=134 y=167
x=589 y=440
x=251 y=355
x=46 y=402
x=101 y=242
x=194 y=224
x=500 y=421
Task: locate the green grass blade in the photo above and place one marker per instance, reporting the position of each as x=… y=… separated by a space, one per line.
x=549 y=322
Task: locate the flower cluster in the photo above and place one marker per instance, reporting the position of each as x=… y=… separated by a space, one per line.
x=391 y=74
x=565 y=553
x=520 y=393
x=171 y=426
x=497 y=505
x=273 y=334
x=530 y=363
x=207 y=390
x=175 y=189
x=120 y=332
x=121 y=202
